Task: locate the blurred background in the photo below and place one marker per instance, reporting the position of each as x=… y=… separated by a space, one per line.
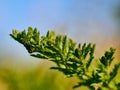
x=95 y=21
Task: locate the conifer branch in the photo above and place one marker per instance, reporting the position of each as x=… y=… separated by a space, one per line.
x=71 y=58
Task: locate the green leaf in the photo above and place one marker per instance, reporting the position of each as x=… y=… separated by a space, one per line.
x=64 y=45
x=58 y=41
x=30 y=32
x=39 y=56
x=114 y=72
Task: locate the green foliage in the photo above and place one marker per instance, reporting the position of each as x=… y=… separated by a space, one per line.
x=34 y=79
x=72 y=59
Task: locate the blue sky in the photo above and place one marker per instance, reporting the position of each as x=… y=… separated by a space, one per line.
x=83 y=18
x=46 y=13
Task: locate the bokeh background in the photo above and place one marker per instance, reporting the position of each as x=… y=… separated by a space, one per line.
x=95 y=21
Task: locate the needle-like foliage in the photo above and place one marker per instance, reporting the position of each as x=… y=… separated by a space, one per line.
x=71 y=58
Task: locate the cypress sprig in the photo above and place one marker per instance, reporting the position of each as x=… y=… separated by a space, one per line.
x=71 y=58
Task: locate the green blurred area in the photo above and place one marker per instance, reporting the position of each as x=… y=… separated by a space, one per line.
x=32 y=79
x=37 y=78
